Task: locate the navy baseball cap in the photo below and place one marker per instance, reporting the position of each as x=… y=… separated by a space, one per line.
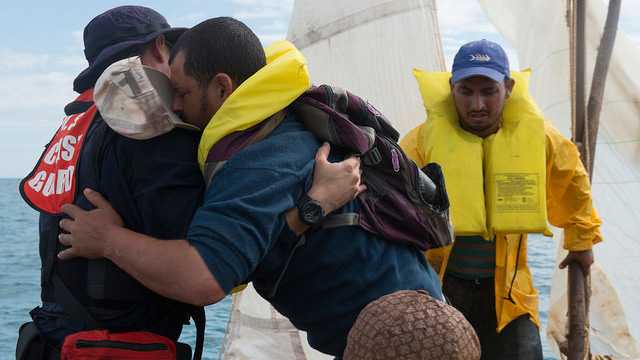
x=483 y=58
x=114 y=34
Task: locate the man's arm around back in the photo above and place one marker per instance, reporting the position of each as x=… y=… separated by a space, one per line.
x=172 y=268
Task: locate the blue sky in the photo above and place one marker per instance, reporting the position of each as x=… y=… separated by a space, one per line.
x=41 y=52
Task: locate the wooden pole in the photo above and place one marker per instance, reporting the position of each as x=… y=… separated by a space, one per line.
x=585 y=133
x=578 y=337
x=599 y=79
x=578 y=313
x=578 y=72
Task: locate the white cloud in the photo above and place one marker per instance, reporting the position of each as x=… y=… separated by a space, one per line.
x=459 y=16
x=262 y=9
x=11 y=60
x=276 y=25
x=32 y=107
x=78 y=40
x=71 y=64
x=12 y=63
x=268 y=39
x=192 y=19
x=286 y=5
x=257 y=13
x=462 y=21
x=25 y=131
x=27 y=92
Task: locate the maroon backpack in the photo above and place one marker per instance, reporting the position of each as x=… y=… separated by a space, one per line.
x=402 y=203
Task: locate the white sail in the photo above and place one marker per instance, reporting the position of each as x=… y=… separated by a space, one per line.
x=539 y=32
x=362 y=46
x=257 y=331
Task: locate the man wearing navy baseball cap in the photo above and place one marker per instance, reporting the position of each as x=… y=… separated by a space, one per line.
x=478 y=65
x=482 y=57
x=508 y=171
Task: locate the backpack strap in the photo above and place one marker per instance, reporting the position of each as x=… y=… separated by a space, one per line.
x=71 y=305
x=337 y=220
x=266 y=127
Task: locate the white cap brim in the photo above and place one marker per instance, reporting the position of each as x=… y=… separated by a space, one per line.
x=135 y=100
x=162 y=85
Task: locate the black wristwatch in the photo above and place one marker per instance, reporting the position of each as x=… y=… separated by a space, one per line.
x=310 y=211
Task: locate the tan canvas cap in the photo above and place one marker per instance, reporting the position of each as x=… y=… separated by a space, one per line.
x=135 y=100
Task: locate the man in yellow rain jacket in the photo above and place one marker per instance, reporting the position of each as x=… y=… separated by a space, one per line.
x=508 y=171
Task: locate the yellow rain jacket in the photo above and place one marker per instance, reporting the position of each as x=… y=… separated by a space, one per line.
x=478 y=174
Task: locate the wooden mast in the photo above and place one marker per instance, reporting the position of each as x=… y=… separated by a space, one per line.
x=599 y=79
x=586 y=120
x=578 y=287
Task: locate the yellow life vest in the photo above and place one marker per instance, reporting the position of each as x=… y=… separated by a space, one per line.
x=266 y=92
x=496 y=185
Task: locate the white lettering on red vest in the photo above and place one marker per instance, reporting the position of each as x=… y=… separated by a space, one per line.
x=53 y=181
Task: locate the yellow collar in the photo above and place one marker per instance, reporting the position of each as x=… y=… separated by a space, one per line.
x=266 y=92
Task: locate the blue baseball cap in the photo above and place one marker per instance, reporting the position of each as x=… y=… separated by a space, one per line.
x=483 y=58
x=115 y=34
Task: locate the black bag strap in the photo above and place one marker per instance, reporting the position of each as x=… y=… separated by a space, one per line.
x=199 y=319
x=71 y=305
x=32 y=345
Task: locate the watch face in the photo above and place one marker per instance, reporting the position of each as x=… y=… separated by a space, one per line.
x=312 y=212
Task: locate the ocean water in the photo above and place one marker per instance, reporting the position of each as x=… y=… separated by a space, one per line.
x=20 y=278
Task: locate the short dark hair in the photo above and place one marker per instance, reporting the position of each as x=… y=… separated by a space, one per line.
x=220 y=45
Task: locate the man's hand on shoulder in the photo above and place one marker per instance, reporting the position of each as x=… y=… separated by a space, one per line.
x=89 y=231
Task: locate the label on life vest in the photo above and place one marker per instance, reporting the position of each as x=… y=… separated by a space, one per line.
x=52 y=183
x=517 y=192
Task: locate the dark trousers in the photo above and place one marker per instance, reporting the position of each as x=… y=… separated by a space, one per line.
x=475 y=299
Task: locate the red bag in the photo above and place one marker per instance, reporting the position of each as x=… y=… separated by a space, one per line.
x=106 y=345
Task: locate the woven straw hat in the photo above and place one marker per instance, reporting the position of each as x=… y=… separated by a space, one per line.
x=411 y=325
